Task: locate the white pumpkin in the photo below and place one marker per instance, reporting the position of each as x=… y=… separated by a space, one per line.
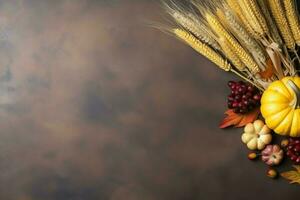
x=256 y=135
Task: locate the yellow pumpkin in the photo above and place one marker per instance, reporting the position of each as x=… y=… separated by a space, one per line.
x=280 y=106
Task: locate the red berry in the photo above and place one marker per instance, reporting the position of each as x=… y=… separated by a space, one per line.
x=297 y=148
x=231 y=83
x=256 y=97
x=238 y=97
x=294 y=157
x=242 y=90
x=293 y=149
x=289 y=153
x=250 y=88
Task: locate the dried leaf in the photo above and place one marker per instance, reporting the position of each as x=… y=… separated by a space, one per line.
x=268 y=73
x=292 y=176
x=275 y=58
x=239 y=120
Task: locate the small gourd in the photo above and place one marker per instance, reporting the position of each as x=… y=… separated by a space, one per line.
x=256 y=135
x=272 y=155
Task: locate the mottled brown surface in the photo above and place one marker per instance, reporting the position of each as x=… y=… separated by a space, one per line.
x=95 y=105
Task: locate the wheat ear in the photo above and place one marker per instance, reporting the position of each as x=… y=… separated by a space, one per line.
x=221 y=15
x=259 y=16
x=194 y=28
x=236 y=8
x=231 y=55
x=281 y=21
x=252 y=14
x=244 y=36
x=293 y=19
x=205 y=34
x=272 y=26
x=240 y=51
x=202 y=48
x=208 y=52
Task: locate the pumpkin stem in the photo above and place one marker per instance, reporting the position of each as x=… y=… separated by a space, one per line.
x=296 y=90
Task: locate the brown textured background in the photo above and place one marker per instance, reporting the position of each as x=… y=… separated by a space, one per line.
x=95 y=105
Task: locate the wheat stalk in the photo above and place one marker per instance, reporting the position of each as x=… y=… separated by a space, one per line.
x=234 y=5
x=293 y=19
x=240 y=51
x=258 y=14
x=251 y=18
x=282 y=24
x=194 y=27
x=231 y=55
x=244 y=36
x=254 y=17
x=221 y=15
x=272 y=26
x=208 y=52
x=202 y=48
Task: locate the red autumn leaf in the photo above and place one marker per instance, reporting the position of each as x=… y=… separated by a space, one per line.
x=249 y=117
x=239 y=120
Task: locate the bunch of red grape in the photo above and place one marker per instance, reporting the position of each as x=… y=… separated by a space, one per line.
x=243 y=98
x=293 y=150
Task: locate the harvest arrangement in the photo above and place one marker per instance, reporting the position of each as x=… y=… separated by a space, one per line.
x=258 y=40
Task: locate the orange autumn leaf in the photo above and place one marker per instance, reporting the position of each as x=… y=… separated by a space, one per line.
x=268 y=73
x=239 y=120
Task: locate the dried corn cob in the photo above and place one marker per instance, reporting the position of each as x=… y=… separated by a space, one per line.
x=240 y=51
x=281 y=21
x=202 y=48
x=293 y=19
